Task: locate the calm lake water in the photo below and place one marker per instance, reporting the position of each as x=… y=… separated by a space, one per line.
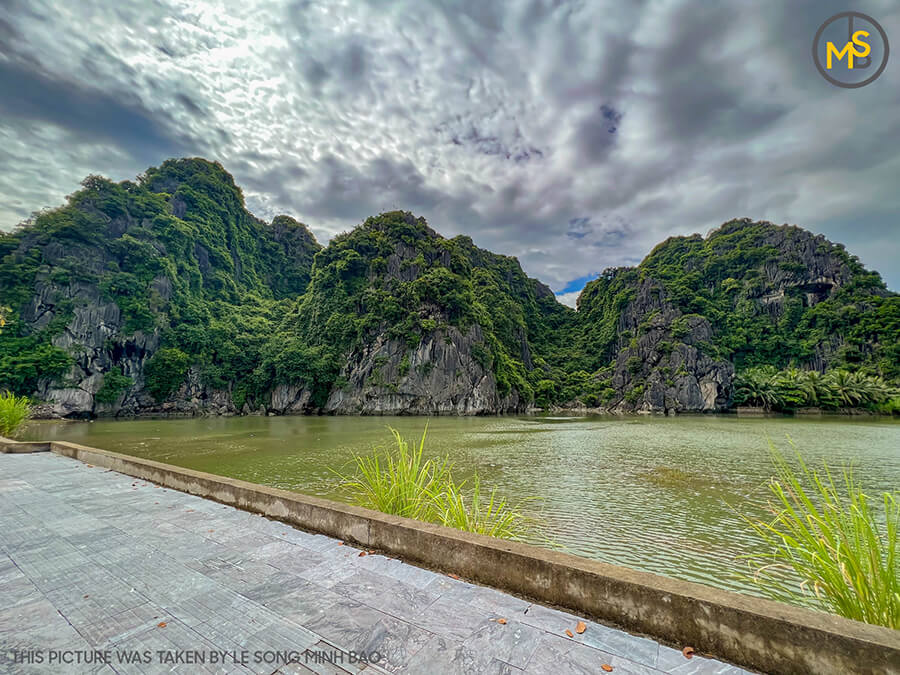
x=656 y=493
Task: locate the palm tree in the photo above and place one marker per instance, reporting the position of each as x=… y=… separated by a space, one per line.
x=757 y=386
x=845 y=386
x=813 y=388
x=790 y=386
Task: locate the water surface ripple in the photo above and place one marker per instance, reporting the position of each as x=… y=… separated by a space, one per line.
x=657 y=494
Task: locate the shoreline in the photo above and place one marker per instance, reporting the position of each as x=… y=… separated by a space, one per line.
x=572 y=412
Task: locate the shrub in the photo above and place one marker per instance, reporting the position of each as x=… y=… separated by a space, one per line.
x=398 y=481
x=165 y=371
x=483 y=513
x=114 y=384
x=14 y=411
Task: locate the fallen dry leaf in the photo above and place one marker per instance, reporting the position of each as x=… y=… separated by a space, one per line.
x=502 y=622
x=161 y=624
x=90 y=466
x=86 y=597
x=340 y=543
x=607 y=667
x=453 y=576
x=569 y=633
x=581 y=627
x=688 y=652
x=362 y=553
x=212 y=530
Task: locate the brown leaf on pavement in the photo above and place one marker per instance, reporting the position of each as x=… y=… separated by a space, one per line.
x=502 y=622
x=688 y=652
x=607 y=667
x=570 y=633
x=581 y=627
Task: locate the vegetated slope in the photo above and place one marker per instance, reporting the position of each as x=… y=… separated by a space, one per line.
x=166 y=295
x=399 y=319
x=668 y=334
x=136 y=292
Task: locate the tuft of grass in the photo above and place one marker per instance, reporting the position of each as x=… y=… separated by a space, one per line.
x=400 y=481
x=839 y=542
x=14 y=412
x=484 y=513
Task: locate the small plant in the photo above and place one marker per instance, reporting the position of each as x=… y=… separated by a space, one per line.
x=14 y=412
x=484 y=513
x=840 y=544
x=400 y=481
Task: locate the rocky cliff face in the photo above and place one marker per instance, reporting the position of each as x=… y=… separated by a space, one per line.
x=675 y=328
x=98 y=286
x=661 y=367
x=411 y=320
x=438 y=376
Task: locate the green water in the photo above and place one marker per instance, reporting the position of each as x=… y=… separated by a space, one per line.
x=650 y=493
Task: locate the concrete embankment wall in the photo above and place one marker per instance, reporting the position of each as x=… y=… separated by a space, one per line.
x=754 y=633
x=10 y=446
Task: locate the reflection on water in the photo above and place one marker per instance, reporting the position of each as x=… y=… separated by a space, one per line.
x=652 y=493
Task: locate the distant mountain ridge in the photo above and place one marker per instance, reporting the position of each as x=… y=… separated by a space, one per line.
x=164 y=295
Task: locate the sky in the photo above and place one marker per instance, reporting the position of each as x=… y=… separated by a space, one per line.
x=572 y=135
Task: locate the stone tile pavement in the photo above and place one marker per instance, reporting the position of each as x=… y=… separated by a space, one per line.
x=129 y=577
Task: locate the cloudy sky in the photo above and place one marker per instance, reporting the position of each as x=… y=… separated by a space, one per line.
x=573 y=135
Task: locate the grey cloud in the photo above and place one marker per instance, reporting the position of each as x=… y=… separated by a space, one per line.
x=573 y=135
x=31 y=95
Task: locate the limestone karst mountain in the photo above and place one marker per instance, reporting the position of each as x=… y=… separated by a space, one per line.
x=165 y=295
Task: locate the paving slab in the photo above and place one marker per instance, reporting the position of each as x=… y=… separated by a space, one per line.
x=152 y=580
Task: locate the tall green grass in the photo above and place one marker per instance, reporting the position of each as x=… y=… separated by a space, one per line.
x=400 y=481
x=838 y=541
x=482 y=512
x=14 y=412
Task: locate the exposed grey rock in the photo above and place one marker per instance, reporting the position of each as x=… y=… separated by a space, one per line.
x=656 y=371
x=438 y=377
x=289 y=399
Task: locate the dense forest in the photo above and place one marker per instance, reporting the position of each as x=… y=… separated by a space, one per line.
x=165 y=295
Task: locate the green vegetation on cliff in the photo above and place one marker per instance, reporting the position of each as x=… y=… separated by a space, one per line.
x=394 y=276
x=167 y=291
x=770 y=295
x=179 y=256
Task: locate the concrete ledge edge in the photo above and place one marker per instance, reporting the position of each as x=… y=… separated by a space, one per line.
x=10 y=446
x=751 y=632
